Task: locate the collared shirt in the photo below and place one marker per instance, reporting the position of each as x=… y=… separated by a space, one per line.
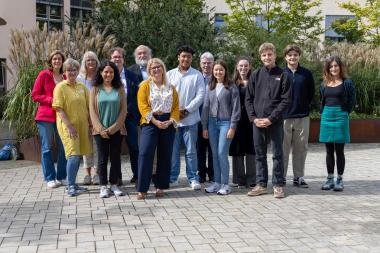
x=161 y=99
x=190 y=88
x=144 y=73
x=123 y=80
x=206 y=79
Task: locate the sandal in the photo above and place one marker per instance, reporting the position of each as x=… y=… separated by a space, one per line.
x=141 y=195
x=160 y=193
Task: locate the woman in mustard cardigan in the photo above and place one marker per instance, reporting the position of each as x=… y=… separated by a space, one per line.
x=159 y=108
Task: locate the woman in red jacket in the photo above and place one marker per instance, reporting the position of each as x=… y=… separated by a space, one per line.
x=42 y=93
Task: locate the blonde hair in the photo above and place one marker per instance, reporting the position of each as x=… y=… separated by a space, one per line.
x=159 y=61
x=70 y=62
x=86 y=56
x=267 y=46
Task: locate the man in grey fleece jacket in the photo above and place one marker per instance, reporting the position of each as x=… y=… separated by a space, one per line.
x=268 y=95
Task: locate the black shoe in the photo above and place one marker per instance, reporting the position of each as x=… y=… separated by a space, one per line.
x=300 y=182
x=133 y=180
x=202 y=180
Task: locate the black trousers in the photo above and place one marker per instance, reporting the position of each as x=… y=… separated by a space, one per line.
x=203 y=146
x=274 y=133
x=151 y=139
x=109 y=148
x=338 y=148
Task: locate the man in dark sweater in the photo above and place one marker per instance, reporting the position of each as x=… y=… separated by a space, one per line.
x=267 y=97
x=296 y=117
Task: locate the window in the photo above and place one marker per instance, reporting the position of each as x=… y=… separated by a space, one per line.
x=263 y=23
x=330 y=33
x=50 y=12
x=2 y=74
x=219 y=21
x=81 y=10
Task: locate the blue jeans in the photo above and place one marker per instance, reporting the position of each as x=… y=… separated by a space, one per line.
x=48 y=133
x=72 y=169
x=132 y=143
x=189 y=135
x=217 y=134
x=261 y=136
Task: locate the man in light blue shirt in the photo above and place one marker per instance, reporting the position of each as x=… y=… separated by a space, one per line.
x=190 y=87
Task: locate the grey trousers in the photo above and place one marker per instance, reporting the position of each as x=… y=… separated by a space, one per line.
x=296 y=138
x=244 y=174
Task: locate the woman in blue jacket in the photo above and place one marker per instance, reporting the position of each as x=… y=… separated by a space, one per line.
x=337 y=95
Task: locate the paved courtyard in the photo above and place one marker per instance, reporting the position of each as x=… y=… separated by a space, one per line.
x=36 y=219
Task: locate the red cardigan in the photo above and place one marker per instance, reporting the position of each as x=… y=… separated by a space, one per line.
x=42 y=93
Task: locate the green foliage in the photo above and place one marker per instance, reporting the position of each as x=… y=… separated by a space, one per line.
x=161 y=25
x=366 y=24
x=348 y=27
x=283 y=22
x=20 y=109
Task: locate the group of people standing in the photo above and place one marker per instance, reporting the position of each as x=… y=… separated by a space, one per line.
x=89 y=109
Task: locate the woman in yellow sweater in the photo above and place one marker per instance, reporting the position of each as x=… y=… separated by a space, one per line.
x=159 y=108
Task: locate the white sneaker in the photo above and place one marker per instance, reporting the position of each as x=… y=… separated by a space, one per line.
x=104 y=192
x=116 y=190
x=195 y=185
x=51 y=184
x=95 y=180
x=62 y=182
x=174 y=184
x=214 y=187
x=87 y=180
x=224 y=190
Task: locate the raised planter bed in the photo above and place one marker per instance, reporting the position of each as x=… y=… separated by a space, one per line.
x=361 y=130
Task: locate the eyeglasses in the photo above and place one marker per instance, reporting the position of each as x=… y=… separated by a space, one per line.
x=71 y=70
x=155 y=68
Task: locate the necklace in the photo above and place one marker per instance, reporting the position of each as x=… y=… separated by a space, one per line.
x=57 y=80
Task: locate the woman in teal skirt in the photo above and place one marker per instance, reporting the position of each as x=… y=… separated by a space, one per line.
x=337 y=101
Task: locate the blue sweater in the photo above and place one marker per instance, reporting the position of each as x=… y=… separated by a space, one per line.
x=302 y=88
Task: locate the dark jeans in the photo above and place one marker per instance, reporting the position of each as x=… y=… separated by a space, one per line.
x=340 y=158
x=203 y=146
x=132 y=143
x=151 y=139
x=109 y=148
x=274 y=133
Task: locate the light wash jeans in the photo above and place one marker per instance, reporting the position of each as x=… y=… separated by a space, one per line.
x=189 y=135
x=72 y=169
x=217 y=134
x=48 y=133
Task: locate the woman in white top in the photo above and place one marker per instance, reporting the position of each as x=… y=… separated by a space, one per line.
x=159 y=107
x=87 y=76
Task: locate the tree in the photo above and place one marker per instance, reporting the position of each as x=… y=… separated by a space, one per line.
x=366 y=22
x=256 y=21
x=163 y=25
x=348 y=28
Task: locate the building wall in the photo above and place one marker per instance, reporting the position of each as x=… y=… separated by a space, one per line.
x=19 y=14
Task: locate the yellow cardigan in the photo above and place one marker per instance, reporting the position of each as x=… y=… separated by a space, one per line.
x=143 y=102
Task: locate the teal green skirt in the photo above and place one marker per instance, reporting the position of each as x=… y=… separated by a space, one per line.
x=335 y=126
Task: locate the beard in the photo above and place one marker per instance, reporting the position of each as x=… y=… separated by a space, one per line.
x=142 y=62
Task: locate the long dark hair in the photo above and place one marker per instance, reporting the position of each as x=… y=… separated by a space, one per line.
x=326 y=69
x=116 y=82
x=226 y=81
x=236 y=77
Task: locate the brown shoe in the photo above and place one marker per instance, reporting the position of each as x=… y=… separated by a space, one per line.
x=141 y=195
x=257 y=190
x=278 y=192
x=160 y=193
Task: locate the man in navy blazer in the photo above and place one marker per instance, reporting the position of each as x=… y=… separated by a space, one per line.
x=130 y=82
x=142 y=55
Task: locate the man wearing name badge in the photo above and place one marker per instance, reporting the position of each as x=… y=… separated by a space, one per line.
x=203 y=145
x=142 y=55
x=191 y=88
x=130 y=83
